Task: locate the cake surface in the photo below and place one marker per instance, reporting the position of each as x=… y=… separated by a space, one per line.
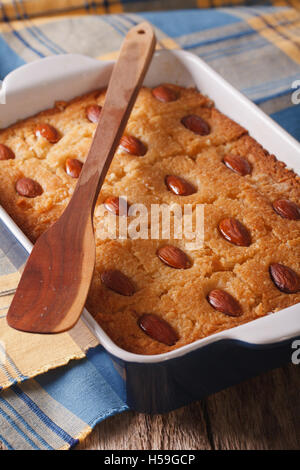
x=154 y=295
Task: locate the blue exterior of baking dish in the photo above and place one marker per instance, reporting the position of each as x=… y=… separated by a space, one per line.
x=164 y=386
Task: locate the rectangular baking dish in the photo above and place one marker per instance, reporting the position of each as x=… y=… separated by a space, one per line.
x=163 y=382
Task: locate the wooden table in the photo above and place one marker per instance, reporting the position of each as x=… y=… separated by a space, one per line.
x=262 y=413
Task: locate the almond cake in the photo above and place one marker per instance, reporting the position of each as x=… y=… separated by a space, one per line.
x=154 y=295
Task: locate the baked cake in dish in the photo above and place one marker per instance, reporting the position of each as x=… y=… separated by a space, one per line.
x=154 y=295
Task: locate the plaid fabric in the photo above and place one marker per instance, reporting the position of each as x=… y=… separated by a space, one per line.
x=58 y=409
x=23 y=355
x=22 y=9
x=255 y=48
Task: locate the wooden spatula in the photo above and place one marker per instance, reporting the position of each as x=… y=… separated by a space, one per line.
x=57 y=276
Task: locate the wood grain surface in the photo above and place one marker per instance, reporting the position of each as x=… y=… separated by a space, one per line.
x=262 y=413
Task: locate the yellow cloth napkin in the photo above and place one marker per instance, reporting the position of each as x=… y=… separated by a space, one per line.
x=24 y=355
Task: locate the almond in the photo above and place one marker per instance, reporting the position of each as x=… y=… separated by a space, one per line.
x=235 y=232
x=179 y=186
x=287 y=209
x=224 y=302
x=133 y=145
x=118 y=282
x=196 y=124
x=164 y=94
x=116 y=205
x=48 y=132
x=237 y=164
x=284 y=278
x=173 y=257
x=158 y=329
x=73 y=167
x=28 y=187
x=93 y=112
x=6 y=153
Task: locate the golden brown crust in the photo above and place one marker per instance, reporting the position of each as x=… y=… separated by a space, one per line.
x=268 y=174
x=179 y=296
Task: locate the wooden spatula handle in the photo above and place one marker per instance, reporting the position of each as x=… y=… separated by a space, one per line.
x=127 y=77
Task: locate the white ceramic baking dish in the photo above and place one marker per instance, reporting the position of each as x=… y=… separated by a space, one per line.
x=36 y=86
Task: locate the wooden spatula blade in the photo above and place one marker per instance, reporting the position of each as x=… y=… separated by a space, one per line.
x=52 y=285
